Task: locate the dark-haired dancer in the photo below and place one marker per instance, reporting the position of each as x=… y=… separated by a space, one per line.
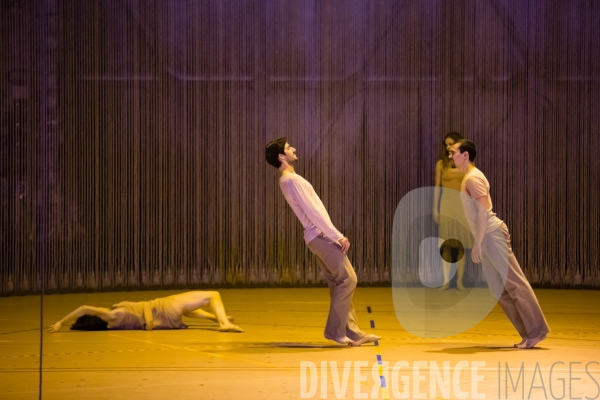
x=325 y=241
x=517 y=299
x=161 y=313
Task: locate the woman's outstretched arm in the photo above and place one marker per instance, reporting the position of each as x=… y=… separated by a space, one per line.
x=80 y=312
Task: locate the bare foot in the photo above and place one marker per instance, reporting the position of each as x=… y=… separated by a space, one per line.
x=444 y=287
x=341 y=340
x=520 y=343
x=368 y=338
x=230 y=328
x=530 y=343
x=460 y=286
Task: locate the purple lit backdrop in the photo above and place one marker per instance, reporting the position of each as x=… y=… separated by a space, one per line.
x=161 y=110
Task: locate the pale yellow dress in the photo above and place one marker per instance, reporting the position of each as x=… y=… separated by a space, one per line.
x=155 y=314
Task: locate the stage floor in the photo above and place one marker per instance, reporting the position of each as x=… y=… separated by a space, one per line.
x=283 y=344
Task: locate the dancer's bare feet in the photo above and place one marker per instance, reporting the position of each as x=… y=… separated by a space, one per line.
x=230 y=328
x=460 y=286
x=444 y=287
x=520 y=343
x=368 y=338
x=530 y=343
x=215 y=319
x=341 y=340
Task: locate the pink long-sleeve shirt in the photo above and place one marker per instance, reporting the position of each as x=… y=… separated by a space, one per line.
x=308 y=207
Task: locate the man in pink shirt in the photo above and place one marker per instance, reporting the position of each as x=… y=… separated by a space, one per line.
x=516 y=298
x=325 y=241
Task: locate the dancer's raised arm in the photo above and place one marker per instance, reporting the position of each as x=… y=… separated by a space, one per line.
x=103 y=313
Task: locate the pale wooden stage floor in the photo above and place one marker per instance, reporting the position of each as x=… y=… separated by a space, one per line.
x=284 y=328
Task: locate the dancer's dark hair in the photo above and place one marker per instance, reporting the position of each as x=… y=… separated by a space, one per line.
x=274 y=149
x=446 y=161
x=89 y=323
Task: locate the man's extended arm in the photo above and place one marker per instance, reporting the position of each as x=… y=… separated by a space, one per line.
x=482 y=221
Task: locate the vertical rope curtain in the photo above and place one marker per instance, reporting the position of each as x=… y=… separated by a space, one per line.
x=158 y=176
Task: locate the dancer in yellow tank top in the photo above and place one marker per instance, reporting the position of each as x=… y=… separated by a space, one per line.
x=448 y=212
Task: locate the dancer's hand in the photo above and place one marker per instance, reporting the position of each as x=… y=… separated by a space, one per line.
x=476 y=253
x=56 y=327
x=345 y=243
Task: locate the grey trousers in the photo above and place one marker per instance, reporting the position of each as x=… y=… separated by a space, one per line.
x=516 y=298
x=341 y=280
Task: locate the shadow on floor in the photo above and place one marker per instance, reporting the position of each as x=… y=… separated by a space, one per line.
x=301 y=345
x=285 y=347
x=479 y=349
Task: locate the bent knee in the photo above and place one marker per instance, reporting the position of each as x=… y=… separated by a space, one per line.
x=214 y=294
x=206 y=293
x=350 y=281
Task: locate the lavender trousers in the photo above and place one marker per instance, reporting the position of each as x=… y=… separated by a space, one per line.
x=341 y=280
x=516 y=298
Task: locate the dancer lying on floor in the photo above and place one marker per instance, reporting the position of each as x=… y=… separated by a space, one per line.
x=161 y=313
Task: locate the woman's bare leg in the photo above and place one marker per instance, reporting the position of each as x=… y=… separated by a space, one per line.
x=192 y=301
x=446 y=267
x=201 y=314
x=460 y=273
x=216 y=305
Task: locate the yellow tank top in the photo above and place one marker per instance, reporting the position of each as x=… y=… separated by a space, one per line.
x=451 y=178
